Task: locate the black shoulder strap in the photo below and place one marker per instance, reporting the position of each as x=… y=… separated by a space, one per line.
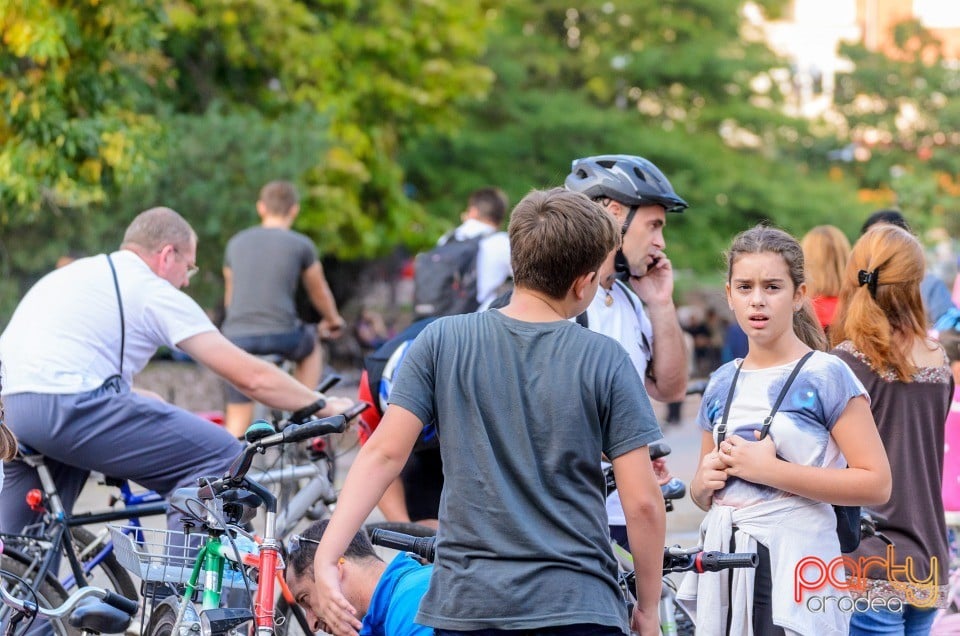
x=768 y=420
x=582 y=320
x=626 y=292
x=643 y=337
x=123 y=326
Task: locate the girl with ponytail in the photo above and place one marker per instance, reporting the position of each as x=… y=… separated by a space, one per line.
x=880 y=332
x=787 y=431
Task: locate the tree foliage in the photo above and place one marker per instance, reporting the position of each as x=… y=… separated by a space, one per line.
x=102 y=91
x=670 y=81
x=903 y=108
x=388 y=114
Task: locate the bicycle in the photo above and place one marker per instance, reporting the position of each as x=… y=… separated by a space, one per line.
x=91 y=556
x=111 y=614
x=171 y=569
x=675 y=559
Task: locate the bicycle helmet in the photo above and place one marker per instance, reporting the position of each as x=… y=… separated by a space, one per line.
x=630 y=180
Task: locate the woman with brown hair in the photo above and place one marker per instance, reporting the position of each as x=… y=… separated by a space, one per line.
x=880 y=332
x=825 y=253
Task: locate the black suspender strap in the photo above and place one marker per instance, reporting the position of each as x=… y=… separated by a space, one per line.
x=123 y=327
x=768 y=420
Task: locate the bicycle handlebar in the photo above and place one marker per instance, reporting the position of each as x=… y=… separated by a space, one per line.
x=696 y=560
x=314 y=428
x=423 y=547
x=674 y=559
x=292 y=433
x=29 y=608
x=328 y=383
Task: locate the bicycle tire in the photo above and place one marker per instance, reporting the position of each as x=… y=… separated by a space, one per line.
x=49 y=593
x=162 y=621
x=403 y=527
x=107 y=571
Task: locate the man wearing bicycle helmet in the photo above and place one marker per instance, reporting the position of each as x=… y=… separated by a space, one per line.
x=634 y=302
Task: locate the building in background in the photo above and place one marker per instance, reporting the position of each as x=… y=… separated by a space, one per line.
x=810 y=33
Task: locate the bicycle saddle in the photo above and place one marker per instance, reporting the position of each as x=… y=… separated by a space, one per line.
x=187 y=501
x=97 y=616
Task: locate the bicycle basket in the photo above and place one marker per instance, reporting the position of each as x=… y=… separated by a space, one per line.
x=165 y=556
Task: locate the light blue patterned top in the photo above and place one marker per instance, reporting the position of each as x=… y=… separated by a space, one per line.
x=800 y=429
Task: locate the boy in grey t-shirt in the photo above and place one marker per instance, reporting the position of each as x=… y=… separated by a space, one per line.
x=526 y=402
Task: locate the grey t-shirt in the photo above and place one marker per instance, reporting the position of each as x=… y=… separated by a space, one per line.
x=266 y=264
x=524 y=411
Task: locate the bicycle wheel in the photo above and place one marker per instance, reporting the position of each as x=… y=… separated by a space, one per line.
x=108 y=574
x=48 y=594
x=162 y=621
x=413 y=529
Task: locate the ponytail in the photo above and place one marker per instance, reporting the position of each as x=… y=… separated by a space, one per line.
x=807 y=327
x=881 y=308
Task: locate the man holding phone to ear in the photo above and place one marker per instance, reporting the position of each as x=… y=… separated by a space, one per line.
x=634 y=301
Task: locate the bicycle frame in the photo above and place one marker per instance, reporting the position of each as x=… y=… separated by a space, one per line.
x=52 y=532
x=210 y=563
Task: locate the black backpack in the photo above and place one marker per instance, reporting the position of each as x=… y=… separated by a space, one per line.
x=445 y=278
x=376 y=365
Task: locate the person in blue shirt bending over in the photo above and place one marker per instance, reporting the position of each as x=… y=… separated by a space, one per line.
x=385 y=595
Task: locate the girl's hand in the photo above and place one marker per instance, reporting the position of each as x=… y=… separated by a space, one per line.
x=339 y=617
x=752 y=461
x=711 y=476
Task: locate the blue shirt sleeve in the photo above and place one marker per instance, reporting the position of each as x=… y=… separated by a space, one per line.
x=396 y=599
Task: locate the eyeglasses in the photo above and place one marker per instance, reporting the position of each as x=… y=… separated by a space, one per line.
x=294 y=544
x=191 y=269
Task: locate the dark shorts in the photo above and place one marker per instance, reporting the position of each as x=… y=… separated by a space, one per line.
x=292 y=345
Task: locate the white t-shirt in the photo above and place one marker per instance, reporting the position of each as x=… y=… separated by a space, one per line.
x=627 y=324
x=493 y=259
x=620 y=321
x=64 y=336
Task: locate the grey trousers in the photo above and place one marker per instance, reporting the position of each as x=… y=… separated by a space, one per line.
x=113 y=431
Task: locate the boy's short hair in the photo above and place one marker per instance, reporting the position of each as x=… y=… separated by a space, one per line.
x=491 y=204
x=279 y=197
x=557 y=235
x=950 y=341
